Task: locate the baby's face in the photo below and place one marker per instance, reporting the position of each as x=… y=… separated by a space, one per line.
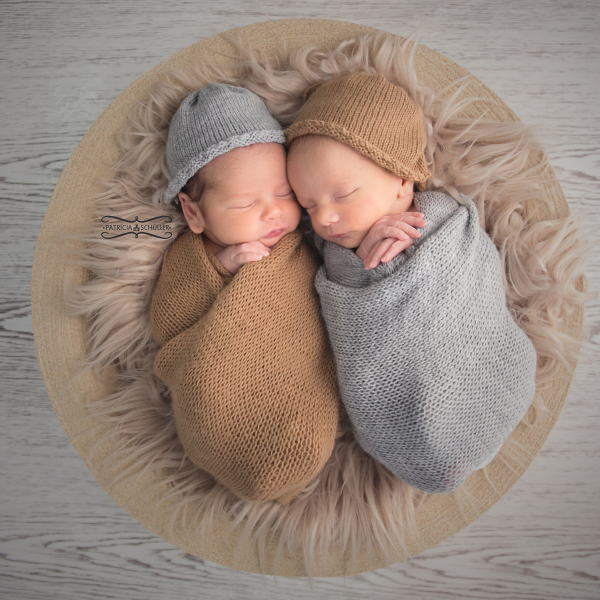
x=344 y=192
x=248 y=197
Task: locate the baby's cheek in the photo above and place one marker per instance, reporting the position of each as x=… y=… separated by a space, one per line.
x=322 y=231
x=351 y=241
x=357 y=240
x=295 y=212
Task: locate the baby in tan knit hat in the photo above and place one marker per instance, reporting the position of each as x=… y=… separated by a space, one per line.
x=433 y=371
x=353 y=166
x=243 y=348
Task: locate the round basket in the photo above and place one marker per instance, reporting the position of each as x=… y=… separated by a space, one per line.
x=61 y=341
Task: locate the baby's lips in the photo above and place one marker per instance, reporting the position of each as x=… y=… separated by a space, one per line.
x=275 y=232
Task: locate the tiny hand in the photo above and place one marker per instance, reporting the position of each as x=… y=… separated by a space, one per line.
x=236 y=255
x=389 y=236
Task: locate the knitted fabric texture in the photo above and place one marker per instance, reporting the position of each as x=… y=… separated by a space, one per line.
x=373 y=116
x=211 y=122
x=433 y=370
x=247 y=362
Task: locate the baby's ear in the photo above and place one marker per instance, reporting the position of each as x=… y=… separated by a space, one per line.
x=406 y=188
x=191 y=212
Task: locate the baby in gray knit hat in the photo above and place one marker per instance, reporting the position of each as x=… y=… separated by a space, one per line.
x=243 y=349
x=433 y=370
x=228 y=170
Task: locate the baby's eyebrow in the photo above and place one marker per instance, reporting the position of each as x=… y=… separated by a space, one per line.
x=236 y=195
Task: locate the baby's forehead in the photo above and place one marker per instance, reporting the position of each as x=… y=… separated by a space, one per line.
x=325 y=145
x=310 y=140
x=255 y=152
x=247 y=170
x=239 y=158
x=329 y=153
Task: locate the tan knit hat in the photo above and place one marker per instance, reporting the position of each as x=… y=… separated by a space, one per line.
x=373 y=116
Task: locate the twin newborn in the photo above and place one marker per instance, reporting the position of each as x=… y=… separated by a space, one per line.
x=419 y=345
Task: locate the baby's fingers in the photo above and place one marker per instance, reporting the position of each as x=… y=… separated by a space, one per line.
x=395 y=249
x=414 y=219
x=253 y=248
x=246 y=257
x=377 y=252
x=409 y=230
x=400 y=231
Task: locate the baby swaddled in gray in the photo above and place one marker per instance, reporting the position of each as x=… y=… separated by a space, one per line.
x=433 y=371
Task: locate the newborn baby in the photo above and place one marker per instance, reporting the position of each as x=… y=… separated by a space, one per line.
x=433 y=371
x=244 y=352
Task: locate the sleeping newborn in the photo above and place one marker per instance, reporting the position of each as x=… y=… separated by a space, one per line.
x=243 y=349
x=433 y=371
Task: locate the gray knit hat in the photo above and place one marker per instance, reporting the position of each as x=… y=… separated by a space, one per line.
x=211 y=122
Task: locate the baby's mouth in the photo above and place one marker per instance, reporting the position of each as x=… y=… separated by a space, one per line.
x=275 y=232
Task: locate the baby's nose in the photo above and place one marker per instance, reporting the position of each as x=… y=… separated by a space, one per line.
x=272 y=210
x=326 y=217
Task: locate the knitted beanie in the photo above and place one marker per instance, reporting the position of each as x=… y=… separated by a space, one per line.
x=211 y=122
x=373 y=116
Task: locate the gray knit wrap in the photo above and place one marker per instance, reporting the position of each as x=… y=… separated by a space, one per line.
x=211 y=122
x=434 y=372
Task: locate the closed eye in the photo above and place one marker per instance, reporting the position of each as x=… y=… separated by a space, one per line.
x=345 y=195
x=242 y=206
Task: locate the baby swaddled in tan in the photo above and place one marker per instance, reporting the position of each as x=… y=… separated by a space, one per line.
x=243 y=348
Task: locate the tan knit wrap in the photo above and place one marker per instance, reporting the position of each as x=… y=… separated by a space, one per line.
x=248 y=365
x=373 y=116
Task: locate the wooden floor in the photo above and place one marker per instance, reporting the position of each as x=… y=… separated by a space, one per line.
x=61 y=536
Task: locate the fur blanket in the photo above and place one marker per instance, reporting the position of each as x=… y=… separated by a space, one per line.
x=248 y=365
x=433 y=370
x=354 y=505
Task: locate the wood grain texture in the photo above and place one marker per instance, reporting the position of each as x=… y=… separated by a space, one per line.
x=61 y=535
